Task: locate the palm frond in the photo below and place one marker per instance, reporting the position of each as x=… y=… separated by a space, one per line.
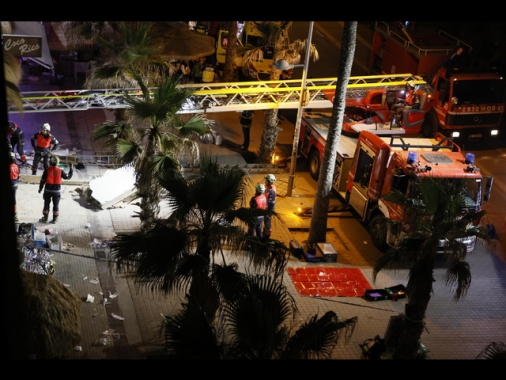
x=317 y=337
x=188 y=335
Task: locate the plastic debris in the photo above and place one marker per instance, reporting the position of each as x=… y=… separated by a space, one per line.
x=90 y=298
x=118 y=317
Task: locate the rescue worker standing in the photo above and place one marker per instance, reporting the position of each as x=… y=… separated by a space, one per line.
x=411 y=100
x=43 y=144
x=257 y=201
x=14 y=174
x=246 y=120
x=270 y=194
x=17 y=140
x=51 y=183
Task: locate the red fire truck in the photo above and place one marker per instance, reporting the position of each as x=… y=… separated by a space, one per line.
x=466 y=104
x=370 y=166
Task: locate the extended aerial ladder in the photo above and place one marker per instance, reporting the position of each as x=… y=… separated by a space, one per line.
x=220 y=97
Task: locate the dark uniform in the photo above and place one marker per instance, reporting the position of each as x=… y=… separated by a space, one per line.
x=14 y=174
x=246 y=120
x=51 y=183
x=270 y=194
x=43 y=144
x=16 y=140
x=257 y=201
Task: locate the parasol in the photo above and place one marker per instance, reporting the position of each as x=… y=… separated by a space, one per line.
x=183 y=44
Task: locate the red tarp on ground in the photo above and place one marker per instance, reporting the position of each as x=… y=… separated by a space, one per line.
x=329 y=282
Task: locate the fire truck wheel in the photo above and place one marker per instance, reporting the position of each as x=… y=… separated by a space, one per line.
x=378 y=231
x=314 y=164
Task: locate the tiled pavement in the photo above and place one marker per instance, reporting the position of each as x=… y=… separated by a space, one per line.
x=131 y=318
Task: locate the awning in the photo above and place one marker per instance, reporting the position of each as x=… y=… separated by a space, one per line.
x=35 y=28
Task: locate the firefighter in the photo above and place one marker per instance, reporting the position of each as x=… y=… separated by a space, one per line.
x=246 y=120
x=17 y=140
x=411 y=100
x=257 y=201
x=270 y=194
x=51 y=183
x=43 y=144
x=14 y=173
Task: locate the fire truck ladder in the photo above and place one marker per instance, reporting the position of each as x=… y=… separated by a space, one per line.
x=220 y=97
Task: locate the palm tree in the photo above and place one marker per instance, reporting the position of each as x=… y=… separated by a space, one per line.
x=318 y=227
x=154 y=139
x=256 y=321
x=185 y=251
x=274 y=35
x=141 y=133
x=229 y=71
x=437 y=215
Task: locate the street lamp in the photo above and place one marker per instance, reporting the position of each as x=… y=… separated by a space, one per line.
x=284 y=65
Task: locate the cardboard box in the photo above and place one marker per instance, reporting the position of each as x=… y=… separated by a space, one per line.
x=328 y=251
x=54 y=242
x=39 y=238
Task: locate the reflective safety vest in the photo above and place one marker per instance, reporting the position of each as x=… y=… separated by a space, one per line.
x=260 y=201
x=54 y=176
x=14 y=173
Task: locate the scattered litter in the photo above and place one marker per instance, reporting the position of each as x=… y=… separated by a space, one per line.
x=66 y=285
x=112 y=295
x=95 y=281
x=107 y=337
x=100 y=244
x=78 y=348
x=117 y=317
x=90 y=298
x=85 y=278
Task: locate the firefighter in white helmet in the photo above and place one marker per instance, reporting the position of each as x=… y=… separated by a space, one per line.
x=258 y=201
x=43 y=143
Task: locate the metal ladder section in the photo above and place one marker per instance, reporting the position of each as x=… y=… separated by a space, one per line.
x=220 y=97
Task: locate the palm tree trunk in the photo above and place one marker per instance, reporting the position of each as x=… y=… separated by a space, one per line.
x=419 y=292
x=269 y=136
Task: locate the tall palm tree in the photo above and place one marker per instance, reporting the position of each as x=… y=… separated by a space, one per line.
x=437 y=210
x=184 y=251
x=318 y=227
x=256 y=321
x=274 y=34
x=154 y=139
x=141 y=133
x=229 y=71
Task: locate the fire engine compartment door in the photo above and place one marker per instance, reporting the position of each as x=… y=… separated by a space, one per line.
x=361 y=179
x=413 y=118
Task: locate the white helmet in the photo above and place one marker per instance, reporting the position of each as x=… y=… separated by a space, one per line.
x=271 y=178
x=46 y=126
x=260 y=188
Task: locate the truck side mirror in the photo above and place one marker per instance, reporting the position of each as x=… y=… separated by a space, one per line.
x=488 y=188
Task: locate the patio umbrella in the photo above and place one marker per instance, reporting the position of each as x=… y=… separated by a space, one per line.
x=183 y=44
